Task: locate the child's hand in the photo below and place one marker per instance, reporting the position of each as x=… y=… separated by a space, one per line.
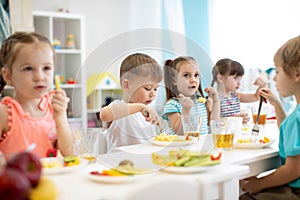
x=151 y=116
x=260 y=82
x=59 y=103
x=245 y=116
x=250 y=185
x=212 y=92
x=186 y=103
x=269 y=96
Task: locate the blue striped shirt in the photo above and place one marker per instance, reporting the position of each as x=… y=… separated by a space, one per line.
x=198 y=109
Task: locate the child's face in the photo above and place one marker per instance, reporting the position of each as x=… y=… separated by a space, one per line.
x=187 y=79
x=142 y=90
x=285 y=84
x=32 y=71
x=232 y=82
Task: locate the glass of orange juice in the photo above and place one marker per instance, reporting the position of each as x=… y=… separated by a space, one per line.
x=262 y=116
x=223 y=135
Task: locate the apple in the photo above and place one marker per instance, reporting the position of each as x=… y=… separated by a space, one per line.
x=13 y=185
x=28 y=164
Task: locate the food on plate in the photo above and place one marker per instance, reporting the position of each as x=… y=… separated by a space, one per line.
x=71 y=161
x=126 y=162
x=51 y=153
x=265 y=140
x=51 y=164
x=125 y=168
x=201 y=100
x=28 y=164
x=186 y=158
x=45 y=190
x=249 y=141
x=171 y=138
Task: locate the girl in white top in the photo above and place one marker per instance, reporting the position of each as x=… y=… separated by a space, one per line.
x=131 y=120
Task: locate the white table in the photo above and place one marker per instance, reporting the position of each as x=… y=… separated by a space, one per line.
x=219 y=183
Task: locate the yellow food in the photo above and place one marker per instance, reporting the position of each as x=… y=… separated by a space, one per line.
x=248 y=140
x=53 y=164
x=201 y=100
x=165 y=137
x=45 y=190
x=266 y=140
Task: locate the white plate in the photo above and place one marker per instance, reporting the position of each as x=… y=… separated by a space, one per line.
x=188 y=170
x=116 y=179
x=173 y=143
x=253 y=145
x=61 y=170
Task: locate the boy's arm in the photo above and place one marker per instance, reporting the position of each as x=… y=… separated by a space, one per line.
x=64 y=134
x=272 y=98
x=116 y=111
x=283 y=175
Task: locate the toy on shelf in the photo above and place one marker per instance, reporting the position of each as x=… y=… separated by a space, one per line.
x=71 y=81
x=70 y=42
x=56 y=44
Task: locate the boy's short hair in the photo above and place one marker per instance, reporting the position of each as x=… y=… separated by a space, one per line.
x=141 y=65
x=288 y=56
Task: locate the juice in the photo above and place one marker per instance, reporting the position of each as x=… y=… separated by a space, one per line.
x=223 y=140
x=262 y=118
x=192 y=133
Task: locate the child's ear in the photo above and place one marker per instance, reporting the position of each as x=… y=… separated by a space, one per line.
x=297 y=77
x=220 y=78
x=6 y=76
x=125 y=84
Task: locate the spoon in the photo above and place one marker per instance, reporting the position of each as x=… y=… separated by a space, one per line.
x=31 y=147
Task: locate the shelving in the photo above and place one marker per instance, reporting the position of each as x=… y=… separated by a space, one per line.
x=101 y=90
x=57 y=26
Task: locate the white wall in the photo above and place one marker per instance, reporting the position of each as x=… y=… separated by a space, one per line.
x=106 y=19
x=250 y=31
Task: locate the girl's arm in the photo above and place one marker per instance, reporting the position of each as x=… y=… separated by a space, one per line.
x=252 y=97
x=3 y=119
x=116 y=111
x=283 y=175
x=64 y=135
x=175 y=122
x=213 y=103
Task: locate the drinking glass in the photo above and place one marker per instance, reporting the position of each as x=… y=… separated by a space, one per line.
x=191 y=125
x=223 y=135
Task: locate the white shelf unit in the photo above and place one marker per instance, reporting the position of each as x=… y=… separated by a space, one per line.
x=69 y=62
x=97 y=99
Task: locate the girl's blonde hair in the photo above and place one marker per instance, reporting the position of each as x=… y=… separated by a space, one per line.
x=227 y=67
x=10 y=49
x=288 y=56
x=171 y=68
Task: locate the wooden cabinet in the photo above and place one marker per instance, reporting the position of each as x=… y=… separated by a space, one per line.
x=59 y=27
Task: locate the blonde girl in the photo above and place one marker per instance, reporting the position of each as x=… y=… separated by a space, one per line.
x=33 y=115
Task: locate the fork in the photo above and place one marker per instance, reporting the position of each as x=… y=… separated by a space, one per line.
x=255 y=129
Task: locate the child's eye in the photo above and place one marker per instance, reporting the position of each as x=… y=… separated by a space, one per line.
x=28 y=68
x=147 y=89
x=197 y=75
x=47 y=68
x=186 y=75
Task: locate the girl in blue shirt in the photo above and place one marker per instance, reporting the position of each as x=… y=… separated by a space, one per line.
x=183 y=89
x=283 y=183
